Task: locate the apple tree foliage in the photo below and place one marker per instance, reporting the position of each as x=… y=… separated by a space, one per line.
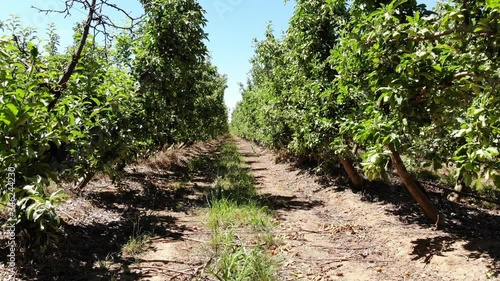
x=93 y=108
x=371 y=82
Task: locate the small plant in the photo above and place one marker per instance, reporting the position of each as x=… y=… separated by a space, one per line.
x=269 y=239
x=242 y=263
x=106 y=263
x=136 y=244
x=178 y=185
x=138 y=241
x=37 y=216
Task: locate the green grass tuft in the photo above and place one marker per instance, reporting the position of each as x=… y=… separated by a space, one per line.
x=241 y=228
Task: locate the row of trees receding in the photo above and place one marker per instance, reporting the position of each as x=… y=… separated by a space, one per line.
x=379 y=82
x=95 y=107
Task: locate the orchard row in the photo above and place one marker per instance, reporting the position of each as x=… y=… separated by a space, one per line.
x=94 y=107
x=375 y=82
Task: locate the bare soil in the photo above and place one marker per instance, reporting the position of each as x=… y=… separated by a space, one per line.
x=329 y=231
x=160 y=196
x=333 y=233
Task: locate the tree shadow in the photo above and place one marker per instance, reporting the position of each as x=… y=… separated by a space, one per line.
x=133 y=208
x=479 y=228
x=258 y=169
x=287 y=203
x=429 y=247
x=150 y=192
x=250 y=155
x=479 y=247
x=463 y=222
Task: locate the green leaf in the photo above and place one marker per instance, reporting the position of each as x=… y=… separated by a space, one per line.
x=5 y=120
x=467 y=179
x=98 y=102
x=493 y=151
x=497 y=181
x=437 y=67
x=77 y=134
x=479 y=29
x=493 y=4
x=33 y=49
x=459 y=133
x=22 y=119
x=399 y=99
x=13 y=109
x=469 y=167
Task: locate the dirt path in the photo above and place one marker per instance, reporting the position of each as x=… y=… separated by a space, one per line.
x=334 y=234
x=179 y=248
x=328 y=231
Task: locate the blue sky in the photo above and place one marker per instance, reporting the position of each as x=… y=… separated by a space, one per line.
x=232 y=25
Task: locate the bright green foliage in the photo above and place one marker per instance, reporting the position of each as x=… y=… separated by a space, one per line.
x=179 y=86
x=377 y=74
x=119 y=103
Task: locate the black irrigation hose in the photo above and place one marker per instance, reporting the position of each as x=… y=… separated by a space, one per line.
x=462 y=193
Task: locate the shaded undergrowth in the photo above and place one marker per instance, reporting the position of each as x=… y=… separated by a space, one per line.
x=109 y=225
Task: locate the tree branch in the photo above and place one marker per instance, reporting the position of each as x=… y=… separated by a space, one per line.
x=96 y=20
x=476 y=76
x=70 y=68
x=460 y=28
x=127 y=14
x=21 y=49
x=462 y=193
x=419 y=98
x=78 y=53
x=434 y=36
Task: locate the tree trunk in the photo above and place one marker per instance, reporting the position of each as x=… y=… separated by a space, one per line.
x=356 y=179
x=460 y=187
x=429 y=209
x=355 y=149
x=84 y=181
